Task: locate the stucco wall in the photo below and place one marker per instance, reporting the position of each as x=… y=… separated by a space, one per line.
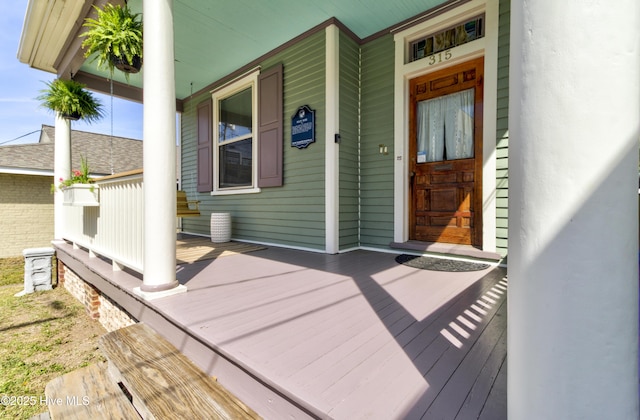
x=26 y=210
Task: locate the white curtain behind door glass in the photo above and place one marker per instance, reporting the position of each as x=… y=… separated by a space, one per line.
x=445 y=127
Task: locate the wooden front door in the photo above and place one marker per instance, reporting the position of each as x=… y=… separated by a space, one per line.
x=445 y=146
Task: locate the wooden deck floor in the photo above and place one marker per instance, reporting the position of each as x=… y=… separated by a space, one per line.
x=346 y=336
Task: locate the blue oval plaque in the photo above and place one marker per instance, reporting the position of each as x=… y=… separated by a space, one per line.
x=303 y=127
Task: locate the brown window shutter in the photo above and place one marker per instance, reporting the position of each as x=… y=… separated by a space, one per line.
x=270 y=137
x=205 y=154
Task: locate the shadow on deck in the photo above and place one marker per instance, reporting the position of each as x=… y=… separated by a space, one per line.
x=347 y=336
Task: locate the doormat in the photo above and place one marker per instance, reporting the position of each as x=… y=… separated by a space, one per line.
x=439 y=264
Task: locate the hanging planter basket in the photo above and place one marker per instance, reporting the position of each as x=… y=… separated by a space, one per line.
x=81 y=195
x=123 y=65
x=114 y=39
x=74 y=116
x=70 y=100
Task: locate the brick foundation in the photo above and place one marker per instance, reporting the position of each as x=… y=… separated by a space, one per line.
x=112 y=316
x=60 y=268
x=98 y=306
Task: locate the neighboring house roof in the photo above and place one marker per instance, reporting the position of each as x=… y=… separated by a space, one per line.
x=38 y=158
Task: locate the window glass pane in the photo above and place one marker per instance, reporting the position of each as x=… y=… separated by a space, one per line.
x=235 y=116
x=235 y=164
x=452 y=37
x=445 y=127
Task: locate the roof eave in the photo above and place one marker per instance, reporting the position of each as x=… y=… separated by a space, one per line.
x=33 y=19
x=25 y=171
x=50 y=35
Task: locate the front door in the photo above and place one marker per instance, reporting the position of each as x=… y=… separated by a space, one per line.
x=445 y=146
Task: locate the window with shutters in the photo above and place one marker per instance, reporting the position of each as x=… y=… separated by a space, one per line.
x=240 y=142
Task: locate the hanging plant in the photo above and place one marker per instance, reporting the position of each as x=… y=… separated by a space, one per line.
x=71 y=100
x=116 y=39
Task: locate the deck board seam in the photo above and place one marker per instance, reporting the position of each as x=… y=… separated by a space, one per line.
x=486 y=322
x=463 y=358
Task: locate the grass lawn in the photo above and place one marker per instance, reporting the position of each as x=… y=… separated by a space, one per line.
x=11 y=271
x=42 y=336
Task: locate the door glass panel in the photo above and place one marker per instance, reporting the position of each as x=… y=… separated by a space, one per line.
x=445 y=127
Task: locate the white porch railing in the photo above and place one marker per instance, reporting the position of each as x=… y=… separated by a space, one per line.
x=114 y=229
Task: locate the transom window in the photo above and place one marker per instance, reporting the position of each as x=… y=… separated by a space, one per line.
x=448 y=38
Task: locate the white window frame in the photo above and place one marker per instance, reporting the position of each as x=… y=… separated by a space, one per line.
x=249 y=80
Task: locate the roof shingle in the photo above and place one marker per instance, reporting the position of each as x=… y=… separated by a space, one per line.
x=96 y=148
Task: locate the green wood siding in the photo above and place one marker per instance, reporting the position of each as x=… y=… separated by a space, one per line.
x=294 y=214
x=376 y=223
x=350 y=136
x=502 y=132
x=291 y=215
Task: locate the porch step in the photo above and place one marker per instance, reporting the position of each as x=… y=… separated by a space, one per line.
x=467 y=251
x=145 y=377
x=88 y=393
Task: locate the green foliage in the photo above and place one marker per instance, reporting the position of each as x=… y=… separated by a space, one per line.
x=43 y=335
x=11 y=271
x=71 y=99
x=77 y=176
x=116 y=33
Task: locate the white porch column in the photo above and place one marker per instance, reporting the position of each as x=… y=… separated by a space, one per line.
x=159 y=152
x=574 y=119
x=61 y=170
x=332 y=150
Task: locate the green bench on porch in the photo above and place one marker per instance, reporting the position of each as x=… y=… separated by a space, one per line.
x=146 y=376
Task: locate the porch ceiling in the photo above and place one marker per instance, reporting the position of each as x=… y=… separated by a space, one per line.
x=215 y=37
